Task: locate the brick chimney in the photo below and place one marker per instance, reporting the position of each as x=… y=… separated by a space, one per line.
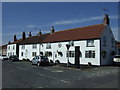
x=39 y=33
x=52 y=30
x=9 y=42
x=29 y=34
x=23 y=35
x=106 y=20
x=15 y=39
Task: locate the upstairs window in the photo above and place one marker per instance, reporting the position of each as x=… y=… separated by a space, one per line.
x=71 y=43
x=9 y=47
x=23 y=46
x=13 y=47
x=48 y=46
x=90 y=43
x=34 y=46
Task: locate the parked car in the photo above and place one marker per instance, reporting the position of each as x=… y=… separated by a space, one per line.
x=13 y=58
x=116 y=59
x=40 y=60
x=3 y=57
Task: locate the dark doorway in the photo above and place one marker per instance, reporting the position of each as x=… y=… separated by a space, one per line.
x=77 y=56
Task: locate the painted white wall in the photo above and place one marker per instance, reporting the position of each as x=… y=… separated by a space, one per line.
x=108 y=48
x=10 y=50
x=27 y=52
x=83 y=48
x=63 y=49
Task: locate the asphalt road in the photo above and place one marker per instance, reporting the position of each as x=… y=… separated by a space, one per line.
x=25 y=75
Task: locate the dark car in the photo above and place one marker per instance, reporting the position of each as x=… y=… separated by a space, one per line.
x=13 y=58
x=40 y=60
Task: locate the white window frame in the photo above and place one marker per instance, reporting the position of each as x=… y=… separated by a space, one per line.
x=90 y=54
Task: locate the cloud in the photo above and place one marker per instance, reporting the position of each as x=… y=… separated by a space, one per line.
x=73 y=21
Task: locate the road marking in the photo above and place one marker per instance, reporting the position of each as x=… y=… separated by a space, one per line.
x=53 y=78
x=53 y=70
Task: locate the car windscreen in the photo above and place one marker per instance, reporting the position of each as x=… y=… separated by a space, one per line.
x=43 y=57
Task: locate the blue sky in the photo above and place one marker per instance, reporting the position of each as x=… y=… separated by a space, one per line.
x=35 y=16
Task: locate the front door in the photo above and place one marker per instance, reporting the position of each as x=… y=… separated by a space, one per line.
x=77 y=56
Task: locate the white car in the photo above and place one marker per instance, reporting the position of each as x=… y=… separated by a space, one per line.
x=116 y=58
x=3 y=57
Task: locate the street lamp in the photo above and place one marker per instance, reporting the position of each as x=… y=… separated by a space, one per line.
x=68 y=46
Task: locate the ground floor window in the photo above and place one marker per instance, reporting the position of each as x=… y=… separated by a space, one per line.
x=21 y=53
x=70 y=54
x=34 y=54
x=90 y=54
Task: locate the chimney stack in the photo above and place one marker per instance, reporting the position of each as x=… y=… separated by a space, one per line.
x=106 y=20
x=39 y=33
x=9 y=42
x=23 y=35
x=29 y=34
x=15 y=39
x=52 y=30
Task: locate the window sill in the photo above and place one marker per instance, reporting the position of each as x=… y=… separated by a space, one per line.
x=90 y=46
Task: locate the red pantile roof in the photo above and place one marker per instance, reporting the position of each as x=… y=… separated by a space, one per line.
x=4 y=46
x=89 y=32
x=17 y=42
x=34 y=39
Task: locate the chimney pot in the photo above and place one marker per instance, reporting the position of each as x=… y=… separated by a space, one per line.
x=52 y=30
x=15 y=39
x=23 y=35
x=29 y=34
x=106 y=20
x=39 y=33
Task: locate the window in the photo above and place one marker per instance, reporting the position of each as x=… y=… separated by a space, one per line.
x=33 y=53
x=104 y=41
x=13 y=47
x=70 y=54
x=90 y=43
x=89 y=54
x=23 y=46
x=9 y=47
x=48 y=46
x=112 y=41
x=71 y=43
x=34 y=46
x=21 y=53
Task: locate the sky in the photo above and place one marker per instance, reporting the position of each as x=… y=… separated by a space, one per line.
x=34 y=16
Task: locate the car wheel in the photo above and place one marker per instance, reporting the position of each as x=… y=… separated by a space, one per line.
x=38 y=64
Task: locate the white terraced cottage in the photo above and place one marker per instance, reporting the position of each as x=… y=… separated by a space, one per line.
x=13 y=47
x=96 y=45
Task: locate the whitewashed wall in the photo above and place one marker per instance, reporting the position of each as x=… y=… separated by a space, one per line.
x=27 y=52
x=108 y=48
x=83 y=48
x=63 y=49
x=11 y=51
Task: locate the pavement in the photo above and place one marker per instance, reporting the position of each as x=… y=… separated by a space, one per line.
x=25 y=75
